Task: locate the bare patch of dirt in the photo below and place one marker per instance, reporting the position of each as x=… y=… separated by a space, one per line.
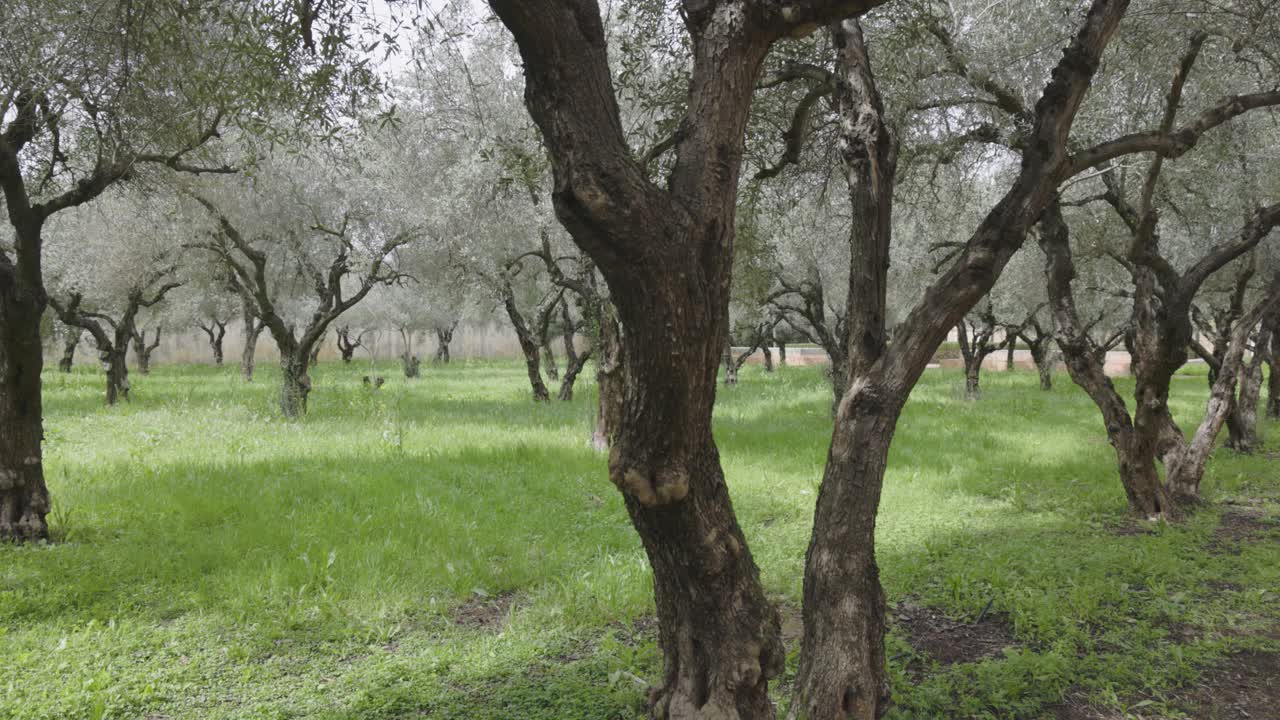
x=639 y=631
x=1242 y=687
x=1240 y=524
x=484 y=612
x=948 y=641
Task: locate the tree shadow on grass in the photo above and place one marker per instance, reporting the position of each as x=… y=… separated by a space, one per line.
x=396 y=529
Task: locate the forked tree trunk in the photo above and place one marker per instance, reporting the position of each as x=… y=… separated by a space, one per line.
x=314 y=357
x=549 y=359
x=409 y=362
x=295 y=383
x=973 y=350
x=253 y=328
x=667 y=253
x=1136 y=464
x=972 y=376
x=768 y=359
x=216 y=331
x=1184 y=478
x=571 y=372
x=113 y=362
x=142 y=350
x=69 y=349
x=1042 y=355
x=574 y=361
x=444 y=336
x=529 y=345
x=24 y=499
x=842 y=674
x=1246 y=407
x=730 y=367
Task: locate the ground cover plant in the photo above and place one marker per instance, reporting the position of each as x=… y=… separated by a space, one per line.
x=445 y=548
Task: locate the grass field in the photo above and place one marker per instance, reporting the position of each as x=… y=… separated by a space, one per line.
x=446 y=549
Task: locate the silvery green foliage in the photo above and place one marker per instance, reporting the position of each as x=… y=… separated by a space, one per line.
x=128 y=241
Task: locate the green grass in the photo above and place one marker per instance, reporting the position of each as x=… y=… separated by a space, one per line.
x=216 y=561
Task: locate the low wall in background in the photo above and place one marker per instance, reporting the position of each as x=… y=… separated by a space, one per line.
x=469 y=342
x=1117 y=362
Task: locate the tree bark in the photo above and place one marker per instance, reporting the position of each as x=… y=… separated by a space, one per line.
x=666 y=251
x=444 y=336
x=1041 y=347
x=347 y=346
x=142 y=350
x=216 y=331
x=1273 y=372
x=1184 y=478
x=610 y=383
x=314 y=356
x=529 y=344
x=842 y=673
x=1146 y=495
x=549 y=359
x=1011 y=346
x=972 y=375
x=69 y=348
x=574 y=361
x=253 y=328
x=842 y=666
x=113 y=346
x=409 y=362
x=782 y=354
x=295 y=381
x=24 y=498
x=113 y=361
x=730 y=367
x=1245 y=409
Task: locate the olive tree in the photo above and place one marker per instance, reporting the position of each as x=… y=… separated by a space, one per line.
x=88 y=99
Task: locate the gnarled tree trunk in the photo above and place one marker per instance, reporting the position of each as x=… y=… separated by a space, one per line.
x=1136 y=464
x=730 y=367
x=253 y=328
x=444 y=336
x=1245 y=410
x=409 y=361
x=347 y=346
x=549 y=359
x=216 y=331
x=142 y=349
x=69 y=348
x=113 y=362
x=1042 y=355
x=1184 y=478
x=24 y=499
x=574 y=360
x=529 y=344
x=295 y=383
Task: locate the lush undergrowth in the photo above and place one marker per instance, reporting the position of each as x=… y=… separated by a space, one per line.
x=215 y=561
